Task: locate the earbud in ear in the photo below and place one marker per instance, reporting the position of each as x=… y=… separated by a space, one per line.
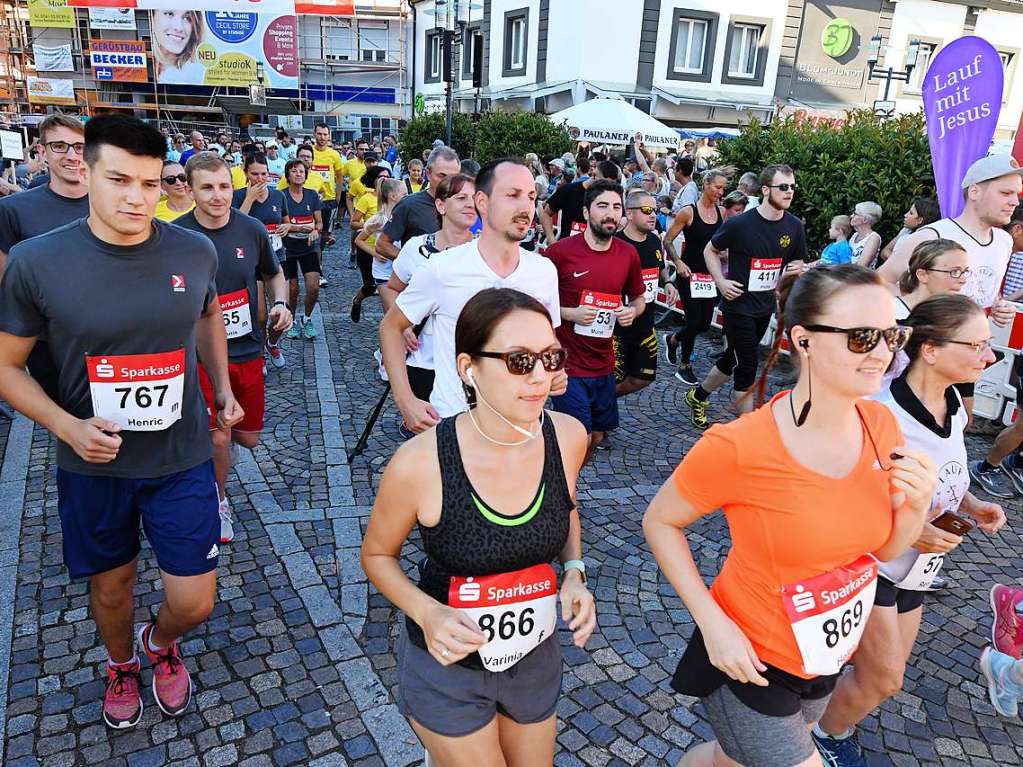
x=468 y=374
x=804 y=343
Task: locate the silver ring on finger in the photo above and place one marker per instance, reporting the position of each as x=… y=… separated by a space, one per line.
x=444 y=653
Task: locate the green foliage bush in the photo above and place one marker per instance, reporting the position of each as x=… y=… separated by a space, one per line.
x=420 y=133
x=503 y=134
x=887 y=161
x=497 y=134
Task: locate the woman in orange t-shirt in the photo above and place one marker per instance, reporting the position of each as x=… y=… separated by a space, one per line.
x=811 y=485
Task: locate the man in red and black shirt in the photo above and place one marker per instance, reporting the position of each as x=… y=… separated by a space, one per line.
x=595 y=273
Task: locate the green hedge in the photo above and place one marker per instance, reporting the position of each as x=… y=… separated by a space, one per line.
x=497 y=134
x=887 y=161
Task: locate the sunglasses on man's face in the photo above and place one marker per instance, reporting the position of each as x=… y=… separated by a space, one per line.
x=864 y=340
x=784 y=187
x=169 y=180
x=522 y=363
x=646 y=210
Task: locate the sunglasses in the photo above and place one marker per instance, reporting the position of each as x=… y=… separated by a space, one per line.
x=523 y=363
x=169 y=180
x=646 y=210
x=784 y=187
x=864 y=340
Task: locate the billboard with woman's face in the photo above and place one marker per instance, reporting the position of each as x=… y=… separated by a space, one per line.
x=225 y=48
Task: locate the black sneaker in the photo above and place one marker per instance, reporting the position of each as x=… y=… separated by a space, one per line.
x=671 y=349
x=687 y=375
x=356 y=312
x=994 y=482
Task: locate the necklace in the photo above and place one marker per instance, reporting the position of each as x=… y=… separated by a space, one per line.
x=488 y=438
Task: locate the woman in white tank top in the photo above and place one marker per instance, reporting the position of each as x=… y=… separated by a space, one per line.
x=865 y=242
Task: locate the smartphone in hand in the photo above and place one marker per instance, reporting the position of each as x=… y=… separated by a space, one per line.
x=953 y=523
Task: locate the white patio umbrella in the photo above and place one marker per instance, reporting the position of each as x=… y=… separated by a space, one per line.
x=613 y=121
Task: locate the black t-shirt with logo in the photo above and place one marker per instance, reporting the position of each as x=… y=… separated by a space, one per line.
x=269 y=212
x=758 y=251
x=569 y=199
x=650 y=257
x=35 y=212
x=97 y=304
x=243 y=254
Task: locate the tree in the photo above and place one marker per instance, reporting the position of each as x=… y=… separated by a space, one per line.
x=420 y=133
x=504 y=134
x=838 y=166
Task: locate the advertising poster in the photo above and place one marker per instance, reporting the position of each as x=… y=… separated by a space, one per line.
x=225 y=48
x=55 y=58
x=325 y=7
x=50 y=13
x=962 y=98
x=46 y=90
x=112 y=18
x=122 y=61
x=278 y=7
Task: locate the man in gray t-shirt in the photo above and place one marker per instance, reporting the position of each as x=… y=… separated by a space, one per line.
x=243 y=253
x=126 y=304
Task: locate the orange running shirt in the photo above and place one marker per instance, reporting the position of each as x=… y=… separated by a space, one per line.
x=787 y=522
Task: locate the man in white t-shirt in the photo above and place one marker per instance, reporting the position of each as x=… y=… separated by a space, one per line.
x=506 y=200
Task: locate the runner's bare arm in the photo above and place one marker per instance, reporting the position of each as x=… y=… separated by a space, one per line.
x=547 y=222
x=869 y=251
x=897 y=264
x=385 y=246
x=682 y=219
x=418 y=415
x=913 y=477
x=277 y=287
x=211 y=343
x=395 y=513
x=664 y=524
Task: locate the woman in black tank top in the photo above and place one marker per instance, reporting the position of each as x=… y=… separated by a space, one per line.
x=695 y=286
x=492 y=493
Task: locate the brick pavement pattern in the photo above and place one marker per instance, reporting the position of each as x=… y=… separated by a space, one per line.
x=296 y=665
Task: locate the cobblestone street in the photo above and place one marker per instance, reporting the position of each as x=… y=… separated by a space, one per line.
x=296 y=666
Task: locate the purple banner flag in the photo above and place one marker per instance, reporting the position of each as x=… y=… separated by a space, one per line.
x=962 y=98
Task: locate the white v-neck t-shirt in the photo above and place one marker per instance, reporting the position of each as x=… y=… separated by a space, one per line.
x=443 y=286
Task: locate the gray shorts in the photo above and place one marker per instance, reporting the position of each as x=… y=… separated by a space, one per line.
x=758 y=740
x=455 y=701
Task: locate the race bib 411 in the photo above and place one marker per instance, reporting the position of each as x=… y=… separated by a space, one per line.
x=517 y=611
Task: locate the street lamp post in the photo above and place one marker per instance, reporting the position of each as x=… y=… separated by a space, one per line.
x=885 y=107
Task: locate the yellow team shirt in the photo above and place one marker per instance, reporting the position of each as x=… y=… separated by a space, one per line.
x=164 y=212
x=368 y=205
x=355 y=169
x=313 y=182
x=414 y=187
x=327 y=163
x=238 y=180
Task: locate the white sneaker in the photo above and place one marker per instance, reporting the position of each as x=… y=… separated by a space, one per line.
x=276 y=356
x=226 y=526
x=381 y=370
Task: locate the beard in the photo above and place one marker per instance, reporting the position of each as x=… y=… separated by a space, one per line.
x=598 y=231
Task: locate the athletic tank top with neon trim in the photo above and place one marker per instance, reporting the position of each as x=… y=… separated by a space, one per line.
x=472 y=539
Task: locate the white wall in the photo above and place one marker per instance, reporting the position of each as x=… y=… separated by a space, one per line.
x=768 y=9
x=595 y=40
x=1005 y=30
x=919 y=18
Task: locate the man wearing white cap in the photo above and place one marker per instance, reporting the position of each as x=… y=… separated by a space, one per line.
x=991 y=188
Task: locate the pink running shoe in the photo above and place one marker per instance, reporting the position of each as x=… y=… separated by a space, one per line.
x=172 y=686
x=1006 y=627
x=122 y=702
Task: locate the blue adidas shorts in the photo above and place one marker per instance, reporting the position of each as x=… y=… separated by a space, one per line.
x=590 y=400
x=100 y=519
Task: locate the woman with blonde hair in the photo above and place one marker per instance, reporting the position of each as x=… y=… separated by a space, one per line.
x=176 y=37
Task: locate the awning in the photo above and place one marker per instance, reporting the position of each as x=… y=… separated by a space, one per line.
x=275 y=105
x=613 y=121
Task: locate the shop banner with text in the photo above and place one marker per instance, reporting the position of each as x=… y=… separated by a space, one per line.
x=50 y=13
x=962 y=98
x=112 y=18
x=237 y=6
x=221 y=48
x=53 y=59
x=121 y=61
x=47 y=90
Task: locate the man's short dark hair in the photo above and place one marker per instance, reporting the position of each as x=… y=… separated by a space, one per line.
x=305 y=146
x=127 y=133
x=470 y=167
x=582 y=164
x=767 y=174
x=608 y=170
x=485 y=178
x=319 y=125
x=685 y=166
x=598 y=188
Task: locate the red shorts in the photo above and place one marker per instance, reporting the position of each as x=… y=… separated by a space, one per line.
x=248 y=385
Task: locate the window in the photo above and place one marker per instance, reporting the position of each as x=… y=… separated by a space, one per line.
x=744 y=54
x=337 y=40
x=373 y=41
x=692 y=41
x=468 y=60
x=516 y=42
x=691 y=56
x=434 y=54
x=1008 y=58
x=923 y=63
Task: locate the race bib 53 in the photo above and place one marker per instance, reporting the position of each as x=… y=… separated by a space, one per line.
x=604 y=324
